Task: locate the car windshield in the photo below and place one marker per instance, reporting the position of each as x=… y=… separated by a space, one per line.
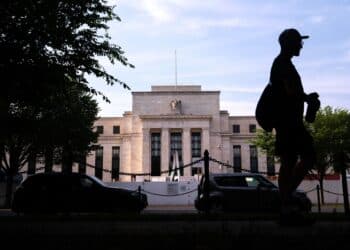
x=97 y=180
x=32 y=181
x=231 y=181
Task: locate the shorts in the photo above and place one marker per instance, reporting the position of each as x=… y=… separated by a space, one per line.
x=294 y=141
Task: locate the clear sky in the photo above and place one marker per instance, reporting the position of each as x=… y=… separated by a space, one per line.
x=228 y=45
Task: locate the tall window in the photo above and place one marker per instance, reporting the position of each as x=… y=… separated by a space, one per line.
x=253 y=158
x=115 y=162
x=252 y=128
x=196 y=151
x=116 y=130
x=99 y=162
x=237 y=158
x=176 y=146
x=236 y=128
x=270 y=162
x=99 y=129
x=155 y=154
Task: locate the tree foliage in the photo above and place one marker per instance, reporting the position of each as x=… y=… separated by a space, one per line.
x=331 y=133
x=48 y=48
x=265 y=141
x=45 y=45
x=49 y=41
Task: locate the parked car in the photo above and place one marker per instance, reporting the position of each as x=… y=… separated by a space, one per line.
x=245 y=192
x=74 y=192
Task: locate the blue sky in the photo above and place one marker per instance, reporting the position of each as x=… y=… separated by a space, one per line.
x=228 y=45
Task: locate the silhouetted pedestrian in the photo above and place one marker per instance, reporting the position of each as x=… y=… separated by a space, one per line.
x=294 y=145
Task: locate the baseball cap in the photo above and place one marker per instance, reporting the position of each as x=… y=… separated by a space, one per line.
x=290 y=35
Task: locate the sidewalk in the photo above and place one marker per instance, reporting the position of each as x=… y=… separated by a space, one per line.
x=329 y=208
x=326 y=208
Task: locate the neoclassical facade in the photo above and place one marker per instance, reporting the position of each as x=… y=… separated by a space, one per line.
x=171 y=126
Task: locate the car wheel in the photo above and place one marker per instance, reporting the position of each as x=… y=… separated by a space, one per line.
x=216 y=206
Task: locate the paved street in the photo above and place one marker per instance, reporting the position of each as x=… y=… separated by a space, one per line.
x=174 y=230
x=171 y=227
x=328 y=208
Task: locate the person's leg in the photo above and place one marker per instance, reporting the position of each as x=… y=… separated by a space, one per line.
x=290 y=214
x=285 y=178
x=291 y=174
x=305 y=147
x=301 y=169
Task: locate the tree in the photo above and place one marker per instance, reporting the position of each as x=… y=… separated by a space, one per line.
x=67 y=128
x=331 y=133
x=62 y=133
x=43 y=43
x=265 y=141
x=46 y=47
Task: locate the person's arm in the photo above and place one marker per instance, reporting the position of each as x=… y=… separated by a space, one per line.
x=310 y=97
x=294 y=89
x=289 y=87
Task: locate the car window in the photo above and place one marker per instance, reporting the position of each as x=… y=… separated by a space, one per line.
x=96 y=180
x=33 y=182
x=265 y=182
x=230 y=181
x=252 y=181
x=86 y=182
x=28 y=182
x=39 y=183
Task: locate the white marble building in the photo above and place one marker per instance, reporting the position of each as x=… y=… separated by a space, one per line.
x=182 y=118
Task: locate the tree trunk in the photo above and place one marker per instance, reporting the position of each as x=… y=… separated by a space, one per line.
x=11 y=173
x=48 y=160
x=9 y=190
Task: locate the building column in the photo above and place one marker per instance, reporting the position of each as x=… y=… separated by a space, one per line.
x=137 y=153
x=186 y=150
x=245 y=155
x=107 y=162
x=125 y=162
x=146 y=151
x=226 y=150
x=165 y=147
x=205 y=140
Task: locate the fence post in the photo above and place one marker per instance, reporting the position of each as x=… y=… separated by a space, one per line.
x=345 y=190
x=140 y=199
x=206 y=181
x=318 y=198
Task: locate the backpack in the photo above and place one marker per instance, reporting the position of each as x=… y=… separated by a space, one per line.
x=265 y=110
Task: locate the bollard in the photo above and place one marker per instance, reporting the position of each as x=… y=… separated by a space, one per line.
x=318 y=198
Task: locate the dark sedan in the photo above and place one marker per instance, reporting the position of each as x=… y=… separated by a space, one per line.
x=245 y=192
x=60 y=192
